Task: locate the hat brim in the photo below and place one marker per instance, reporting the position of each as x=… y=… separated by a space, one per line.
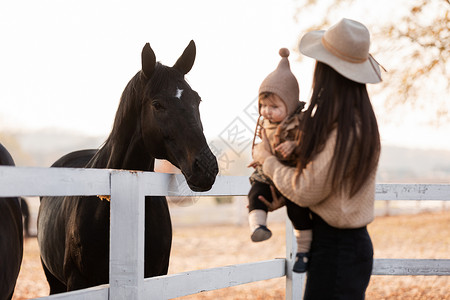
x=366 y=72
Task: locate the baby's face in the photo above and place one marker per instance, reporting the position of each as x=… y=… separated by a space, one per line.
x=273 y=108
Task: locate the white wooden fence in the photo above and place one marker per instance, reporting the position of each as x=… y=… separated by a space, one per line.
x=128 y=189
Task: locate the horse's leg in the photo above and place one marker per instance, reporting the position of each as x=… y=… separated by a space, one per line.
x=75 y=280
x=56 y=286
x=26 y=216
x=10 y=296
x=158 y=236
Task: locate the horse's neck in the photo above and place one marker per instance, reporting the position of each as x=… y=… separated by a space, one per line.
x=123 y=153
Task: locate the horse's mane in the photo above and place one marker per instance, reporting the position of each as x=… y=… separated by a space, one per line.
x=127 y=124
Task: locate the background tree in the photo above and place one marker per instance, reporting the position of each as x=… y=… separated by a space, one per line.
x=411 y=39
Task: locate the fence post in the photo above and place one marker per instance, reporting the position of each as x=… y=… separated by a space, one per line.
x=126 y=266
x=294 y=281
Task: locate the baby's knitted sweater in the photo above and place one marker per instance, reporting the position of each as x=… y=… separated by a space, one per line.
x=312 y=188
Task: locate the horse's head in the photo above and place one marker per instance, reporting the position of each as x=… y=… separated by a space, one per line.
x=170 y=119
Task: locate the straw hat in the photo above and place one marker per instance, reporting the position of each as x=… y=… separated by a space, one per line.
x=283 y=83
x=345 y=48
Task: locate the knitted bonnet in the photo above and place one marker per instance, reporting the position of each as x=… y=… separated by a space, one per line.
x=283 y=83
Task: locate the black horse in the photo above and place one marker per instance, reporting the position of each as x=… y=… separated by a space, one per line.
x=158 y=117
x=11 y=237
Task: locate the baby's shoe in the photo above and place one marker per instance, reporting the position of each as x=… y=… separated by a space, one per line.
x=301 y=262
x=261 y=233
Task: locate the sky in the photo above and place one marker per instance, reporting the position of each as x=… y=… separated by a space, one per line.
x=64 y=64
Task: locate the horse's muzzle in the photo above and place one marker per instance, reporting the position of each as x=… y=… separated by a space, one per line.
x=203 y=172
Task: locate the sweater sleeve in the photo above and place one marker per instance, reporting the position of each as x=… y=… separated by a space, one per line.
x=312 y=185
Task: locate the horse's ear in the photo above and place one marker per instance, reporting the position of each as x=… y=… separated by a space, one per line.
x=148 y=61
x=186 y=61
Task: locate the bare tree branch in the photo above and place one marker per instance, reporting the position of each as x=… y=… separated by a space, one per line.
x=421 y=35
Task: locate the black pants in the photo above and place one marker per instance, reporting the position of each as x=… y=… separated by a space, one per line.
x=299 y=216
x=341 y=262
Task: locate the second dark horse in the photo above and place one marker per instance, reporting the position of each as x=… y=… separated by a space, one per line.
x=158 y=117
x=11 y=236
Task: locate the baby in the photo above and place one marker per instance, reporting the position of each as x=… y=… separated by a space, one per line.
x=280 y=116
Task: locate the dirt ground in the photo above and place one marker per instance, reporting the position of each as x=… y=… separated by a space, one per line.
x=426 y=235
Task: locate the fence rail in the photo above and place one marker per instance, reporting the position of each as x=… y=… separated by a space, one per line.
x=128 y=190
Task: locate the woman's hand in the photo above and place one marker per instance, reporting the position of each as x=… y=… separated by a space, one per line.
x=261 y=151
x=277 y=202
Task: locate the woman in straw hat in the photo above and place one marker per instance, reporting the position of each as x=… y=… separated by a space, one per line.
x=338 y=155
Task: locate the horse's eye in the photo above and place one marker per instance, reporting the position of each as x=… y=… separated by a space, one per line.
x=157 y=105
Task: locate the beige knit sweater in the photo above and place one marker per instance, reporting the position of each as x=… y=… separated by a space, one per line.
x=313 y=189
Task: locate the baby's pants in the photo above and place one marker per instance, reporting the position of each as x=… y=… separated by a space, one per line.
x=299 y=216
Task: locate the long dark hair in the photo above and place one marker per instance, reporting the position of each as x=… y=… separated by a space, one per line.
x=338 y=102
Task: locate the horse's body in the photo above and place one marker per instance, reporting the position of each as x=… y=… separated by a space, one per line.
x=11 y=237
x=158 y=117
